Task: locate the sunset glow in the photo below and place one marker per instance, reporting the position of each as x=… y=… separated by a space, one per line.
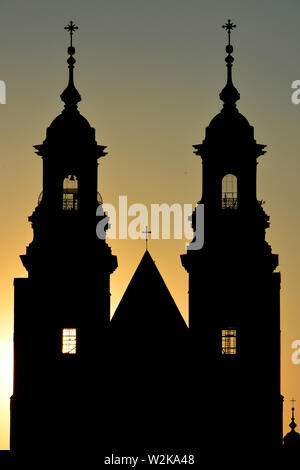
x=150 y=77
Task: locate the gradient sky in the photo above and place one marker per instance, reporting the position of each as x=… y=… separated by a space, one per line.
x=149 y=73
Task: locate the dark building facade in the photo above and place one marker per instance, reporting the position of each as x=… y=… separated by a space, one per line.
x=144 y=381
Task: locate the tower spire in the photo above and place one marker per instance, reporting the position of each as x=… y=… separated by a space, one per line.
x=229 y=95
x=70 y=96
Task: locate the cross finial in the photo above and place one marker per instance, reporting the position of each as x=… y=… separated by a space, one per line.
x=71 y=28
x=147 y=233
x=229 y=26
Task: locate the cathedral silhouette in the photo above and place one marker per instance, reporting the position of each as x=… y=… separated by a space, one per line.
x=144 y=381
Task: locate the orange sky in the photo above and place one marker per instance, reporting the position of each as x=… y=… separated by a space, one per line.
x=149 y=74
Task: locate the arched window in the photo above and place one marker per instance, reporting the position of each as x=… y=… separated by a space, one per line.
x=229 y=192
x=70 y=193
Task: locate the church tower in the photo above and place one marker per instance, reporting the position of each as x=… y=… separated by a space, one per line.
x=62 y=310
x=234 y=303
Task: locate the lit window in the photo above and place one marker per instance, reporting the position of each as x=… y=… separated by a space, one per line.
x=70 y=193
x=69 y=341
x=229 y=341
x=229 y=192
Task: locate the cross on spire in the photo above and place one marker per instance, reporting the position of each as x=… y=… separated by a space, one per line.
x=146 y=238
x=229 y=26
x=71 y=27
x=293 y=402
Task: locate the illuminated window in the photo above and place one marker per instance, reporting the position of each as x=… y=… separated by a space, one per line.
x=229 y=341
x=229 y=192
x=69 y=341
x=70 y=193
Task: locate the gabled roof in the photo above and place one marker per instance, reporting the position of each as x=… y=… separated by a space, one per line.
x=147 y=303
